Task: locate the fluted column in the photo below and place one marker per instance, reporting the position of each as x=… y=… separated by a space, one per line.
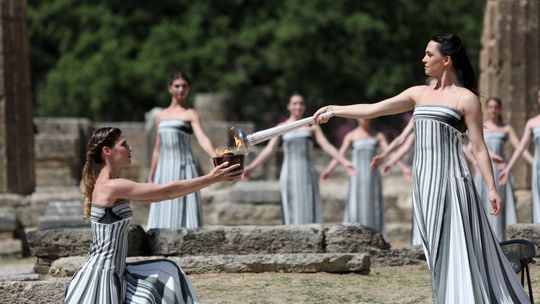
x=510 y=65
x=16 y=129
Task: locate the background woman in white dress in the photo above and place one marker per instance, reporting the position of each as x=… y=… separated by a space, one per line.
x=299 y=182
x=172 y=158
x=364 y=203
x=532 y=130
x=496 y=135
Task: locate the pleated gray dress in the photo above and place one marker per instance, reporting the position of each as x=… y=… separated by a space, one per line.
x=176 y=162
x=466 y=263
x=364 y=201
x=535 y=187
x=300 y=198
x=495 y=141
x=106 y=278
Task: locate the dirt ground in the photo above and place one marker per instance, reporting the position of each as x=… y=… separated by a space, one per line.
x=406 y=284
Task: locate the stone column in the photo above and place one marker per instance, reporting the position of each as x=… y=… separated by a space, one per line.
x=16 y=129
x=510 y=65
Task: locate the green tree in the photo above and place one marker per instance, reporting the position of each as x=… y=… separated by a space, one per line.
x=109 y=60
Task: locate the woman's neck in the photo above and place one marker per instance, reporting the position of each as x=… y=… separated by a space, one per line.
x=177 y=103
x=493 y=121
x=448 y=79
x=109 y=171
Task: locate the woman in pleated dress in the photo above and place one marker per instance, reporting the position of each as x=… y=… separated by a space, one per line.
x=466 y=262
x=299 y=181
x=496 y=134
x=364 y=203
x=105 y=277
x=532 y=130
x=172 y=158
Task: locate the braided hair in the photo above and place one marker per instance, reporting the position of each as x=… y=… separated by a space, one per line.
x=103 y=137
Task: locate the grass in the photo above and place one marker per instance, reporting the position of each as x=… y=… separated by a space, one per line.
x=403 y=284
x=408 y=284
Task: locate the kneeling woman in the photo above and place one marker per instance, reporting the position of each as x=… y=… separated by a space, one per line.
x=105 y=277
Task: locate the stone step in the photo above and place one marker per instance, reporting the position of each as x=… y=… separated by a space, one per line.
x=342 y=238
x=296 y=263
x=29 y=290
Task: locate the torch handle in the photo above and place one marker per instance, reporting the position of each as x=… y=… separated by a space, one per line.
x=267 y=134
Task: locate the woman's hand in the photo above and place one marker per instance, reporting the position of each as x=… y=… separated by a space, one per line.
x=496 y=202
x=319 y=118
x=351 y=169
x=225 y=172
x=407 y=174
x=503 y=176
x=376 y=161
x=385 y=170
x=325 y=175
x=247 y=173
x=498 y=160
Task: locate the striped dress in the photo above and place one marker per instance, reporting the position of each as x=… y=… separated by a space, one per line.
x=364 y=202
x=466 y=263
x=176 y=162
x=495 y=141
x=299 y=181
x=105 y=277
x=535 y=187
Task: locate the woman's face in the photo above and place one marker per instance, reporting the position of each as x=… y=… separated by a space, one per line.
x=433 y=60
x=296 y=106
x=179 y=89
x=121 y=152
x=493 y=109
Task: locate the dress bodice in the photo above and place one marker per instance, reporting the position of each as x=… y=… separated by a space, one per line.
x=370 y=143
x=175 y=125
x=175 y=137
x=109 y=240
x=439 y=132
x=495 y=141
x=297 y=144
x=109 y=215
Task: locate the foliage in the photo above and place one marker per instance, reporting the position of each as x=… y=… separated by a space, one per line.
x=109 y=59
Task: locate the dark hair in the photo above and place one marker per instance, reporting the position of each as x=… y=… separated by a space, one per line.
x=451 y=45
x=499 y=103
x=496 y=99
x=103 y=137
x=178 y=75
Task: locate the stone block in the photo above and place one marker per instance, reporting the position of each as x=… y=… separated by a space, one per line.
x=398 y=256
x=348 y=238
x=234 y=214
x=530 y=232
x=295 y=262
x=24 y=292
x=263 y=192
x=62 y=214
x=62 y=242
x=8 y=221
x=237 y=240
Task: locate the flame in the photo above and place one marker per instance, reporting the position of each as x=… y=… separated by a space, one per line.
x=239 y=147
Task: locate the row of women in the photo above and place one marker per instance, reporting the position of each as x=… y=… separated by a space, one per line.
x=466 y=262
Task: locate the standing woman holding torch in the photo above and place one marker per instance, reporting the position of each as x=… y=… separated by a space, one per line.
x=466 y=262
